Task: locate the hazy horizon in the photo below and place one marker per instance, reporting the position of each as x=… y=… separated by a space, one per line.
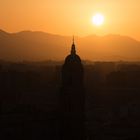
x=38 y=46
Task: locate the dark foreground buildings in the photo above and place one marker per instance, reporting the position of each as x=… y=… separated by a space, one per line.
x=72 y=98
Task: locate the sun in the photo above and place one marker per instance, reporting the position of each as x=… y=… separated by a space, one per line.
x=98 y=19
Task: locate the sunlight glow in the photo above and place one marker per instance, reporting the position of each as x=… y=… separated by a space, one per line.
x=98 y=19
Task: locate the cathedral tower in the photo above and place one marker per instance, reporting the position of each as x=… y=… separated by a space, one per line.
x=72 y=97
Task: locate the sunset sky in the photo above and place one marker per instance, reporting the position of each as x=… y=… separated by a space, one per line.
x=68 y=17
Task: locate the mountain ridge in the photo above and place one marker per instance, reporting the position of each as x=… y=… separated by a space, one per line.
x=38 y=45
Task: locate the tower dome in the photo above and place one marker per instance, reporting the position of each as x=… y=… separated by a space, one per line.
x=72 y=70
x=73 y=57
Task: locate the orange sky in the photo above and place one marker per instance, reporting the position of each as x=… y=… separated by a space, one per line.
x=68 y=17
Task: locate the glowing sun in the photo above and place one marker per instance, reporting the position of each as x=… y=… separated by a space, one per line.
x=98 y=19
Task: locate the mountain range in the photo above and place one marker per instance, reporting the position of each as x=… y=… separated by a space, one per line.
x=38 y=46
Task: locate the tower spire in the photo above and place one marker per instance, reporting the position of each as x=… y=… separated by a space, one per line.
x=73 y=39
x=73 y=50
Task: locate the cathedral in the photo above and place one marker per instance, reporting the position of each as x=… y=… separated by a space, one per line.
x=72 y=97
